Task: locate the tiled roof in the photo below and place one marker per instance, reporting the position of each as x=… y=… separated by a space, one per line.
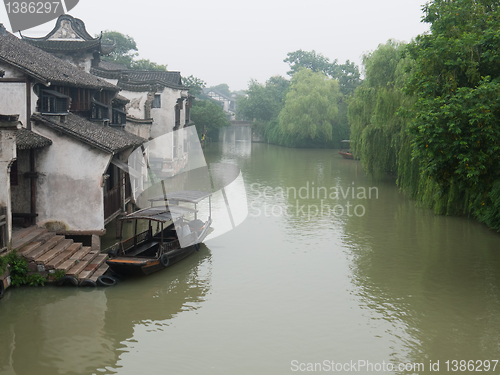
x=103 y=137
x=108 y=65
x=120 y=99
x=26 y=139
x=76 y=24
x=45 y=67
x=139 y=80
x=65 y=45
x=70 y=37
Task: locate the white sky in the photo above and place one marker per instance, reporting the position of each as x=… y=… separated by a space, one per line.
x=229 y=41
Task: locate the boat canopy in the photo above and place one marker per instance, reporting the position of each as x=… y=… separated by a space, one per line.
x=160 y=214
x=345 y=141
x=190 y=196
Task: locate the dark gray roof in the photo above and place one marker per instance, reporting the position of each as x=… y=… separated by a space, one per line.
x=65 y=45
x=108 y=65
x=80 y=41
x=26 y=139
x=103 y=137
x=120 y=99
x=77 y=25
x=139 y=80
x=45 y=67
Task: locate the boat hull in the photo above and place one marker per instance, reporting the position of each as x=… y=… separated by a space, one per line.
x=346 y=155
x=136 y=265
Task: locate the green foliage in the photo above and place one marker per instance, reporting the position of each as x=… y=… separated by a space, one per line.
x=4 y=261
x=125 y=52
x=195 y=85
x=59 y=274
x=18 y=269
x=263 y=102
x=310 y=110
x=377 y=116
x=429 y=112
x=347 y=74
x=223 y=88
x=36 y=279
x=456 y=81
x=208 y=116
x=125 y=48
x=309 y=60
x=146 y=64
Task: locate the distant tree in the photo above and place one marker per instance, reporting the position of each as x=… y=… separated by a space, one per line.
x=195 y=85
x=146 y=64
x=263 y=102
x=310 y=60
x=125 y=48
x=208 y=115
x=347 y=74
x=310 y=110
x=223 y=88
x=126 y=51
x=349 y=77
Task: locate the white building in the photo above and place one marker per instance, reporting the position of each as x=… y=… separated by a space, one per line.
x=66 y=174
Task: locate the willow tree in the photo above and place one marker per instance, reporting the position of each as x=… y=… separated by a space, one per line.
x=378 y=126
x=456 y=80
x=310 y=111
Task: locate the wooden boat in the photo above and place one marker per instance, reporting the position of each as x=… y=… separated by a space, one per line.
x=157 y=248
x=346 y=154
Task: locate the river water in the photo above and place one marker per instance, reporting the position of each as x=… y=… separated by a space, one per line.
x=330 y=271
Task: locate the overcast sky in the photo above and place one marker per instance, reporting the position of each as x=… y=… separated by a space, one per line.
x=230 y=41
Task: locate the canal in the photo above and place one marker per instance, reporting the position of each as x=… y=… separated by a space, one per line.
x=329 y=269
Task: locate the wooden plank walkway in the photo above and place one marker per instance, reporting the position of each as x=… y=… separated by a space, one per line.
x=50 y=251
x=26 y=239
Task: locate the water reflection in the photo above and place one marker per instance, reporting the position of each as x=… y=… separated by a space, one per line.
x=84 y=331
x=433 y=278
x=236 y=140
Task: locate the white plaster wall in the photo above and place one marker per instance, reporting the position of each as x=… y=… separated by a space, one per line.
x=7 y=155
x=69 y=189
x=13 y=95
x=13 y=100
x=82 y=60
x=11 y=72
x=135 y=107
x=141 y=130
x=164 y=117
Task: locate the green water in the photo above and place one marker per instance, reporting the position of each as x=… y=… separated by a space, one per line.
x=301 y=281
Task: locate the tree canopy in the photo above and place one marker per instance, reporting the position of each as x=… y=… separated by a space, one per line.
x=195 y=85
x=223 y=88
x=347 y=74
x=126 y=52
x=263 y=102
x=456 y=81
x=378 y=132
x=208 y=116
x=311 y=107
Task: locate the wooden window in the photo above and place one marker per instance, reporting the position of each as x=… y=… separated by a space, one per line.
x=54 y=102
x=177 y=116
x=156 y=101
x=14 y=175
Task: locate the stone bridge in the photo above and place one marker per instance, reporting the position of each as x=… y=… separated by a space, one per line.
x=241 y=123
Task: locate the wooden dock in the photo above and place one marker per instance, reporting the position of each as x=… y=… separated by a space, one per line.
x=47 y=252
